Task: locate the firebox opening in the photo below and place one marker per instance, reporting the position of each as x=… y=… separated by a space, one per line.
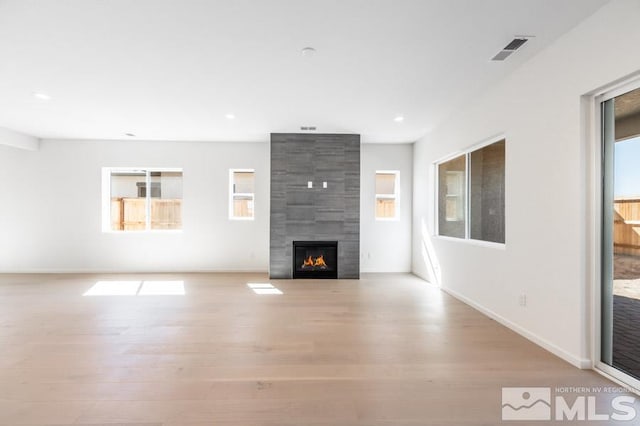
x=315 y=259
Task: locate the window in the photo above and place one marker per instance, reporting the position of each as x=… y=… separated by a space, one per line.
x=241 y=194
x=619 y=217
x=452 y=191
x=487 y=193
x=387 y=195
x=472 y=186
x=143 y=199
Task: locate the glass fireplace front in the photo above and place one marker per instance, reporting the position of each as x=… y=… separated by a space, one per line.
x=315 y=259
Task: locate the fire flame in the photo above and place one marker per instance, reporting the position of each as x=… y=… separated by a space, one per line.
x=311 y=262
x=320 y=261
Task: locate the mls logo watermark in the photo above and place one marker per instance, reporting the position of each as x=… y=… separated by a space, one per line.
x=537 y=404
x=526 y=403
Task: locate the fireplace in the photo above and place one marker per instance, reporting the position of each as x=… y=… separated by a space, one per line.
x=315 y=259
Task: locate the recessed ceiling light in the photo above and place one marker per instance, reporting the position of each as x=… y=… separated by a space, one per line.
x=398 y=119
x=41 y=96
x=308 y=51
x=131 y=135
x=229 y=116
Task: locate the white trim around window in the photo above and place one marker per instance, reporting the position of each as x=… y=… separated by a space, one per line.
x=455 y=204
x=119 y=208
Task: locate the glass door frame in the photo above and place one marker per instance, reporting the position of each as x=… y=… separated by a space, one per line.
x=595 y=117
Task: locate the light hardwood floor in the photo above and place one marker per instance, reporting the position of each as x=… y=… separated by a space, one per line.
x=385 y=350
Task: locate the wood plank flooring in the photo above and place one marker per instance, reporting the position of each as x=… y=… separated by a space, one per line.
x=385 y=350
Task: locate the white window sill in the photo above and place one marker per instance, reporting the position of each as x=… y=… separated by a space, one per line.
x=479 y=243
x=145 y=232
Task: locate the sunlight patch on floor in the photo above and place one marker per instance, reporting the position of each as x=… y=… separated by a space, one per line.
x=162 y=288
x=264 y=288
x=136 y=288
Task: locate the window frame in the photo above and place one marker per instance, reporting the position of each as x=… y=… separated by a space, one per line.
x=467 y=192
x=594 y=129
x=459 y=196
x=106 y=199
x=232 y=194
x=395 y=196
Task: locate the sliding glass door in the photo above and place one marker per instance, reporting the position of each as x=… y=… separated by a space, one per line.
x=620 y=291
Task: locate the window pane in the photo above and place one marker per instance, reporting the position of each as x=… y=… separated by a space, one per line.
x=166 y=200
x=451 y=202
x=128 y=210
x=385 y=183
x=487 y=193
x=620 y=315
x=385 y=208
x=243 y=183
x=242 y=206
x=242 y=194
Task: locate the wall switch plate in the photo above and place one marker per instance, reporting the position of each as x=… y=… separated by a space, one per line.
x=309 y=184
x=324 y=184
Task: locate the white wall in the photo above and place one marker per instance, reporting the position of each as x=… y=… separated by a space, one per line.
x=18 y=140
x=385 y=246
x=52 y=203
x=538 y=109
x=52 y=207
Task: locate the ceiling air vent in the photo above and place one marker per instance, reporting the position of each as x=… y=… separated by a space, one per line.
x=513 y=45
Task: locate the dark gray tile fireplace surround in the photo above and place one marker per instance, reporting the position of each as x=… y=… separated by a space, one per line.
x=300 y=213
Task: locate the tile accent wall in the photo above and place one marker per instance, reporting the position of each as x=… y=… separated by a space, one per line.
x=315 y=214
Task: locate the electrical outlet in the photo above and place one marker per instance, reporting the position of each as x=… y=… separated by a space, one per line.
x=522 y=300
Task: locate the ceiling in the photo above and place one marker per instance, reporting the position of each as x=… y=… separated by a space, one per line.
x=173 y=69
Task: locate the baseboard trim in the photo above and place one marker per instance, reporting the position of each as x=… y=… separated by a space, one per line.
x=582 y=363
x=132 y=271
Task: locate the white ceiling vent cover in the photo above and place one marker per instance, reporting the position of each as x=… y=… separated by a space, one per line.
x=513 y=45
